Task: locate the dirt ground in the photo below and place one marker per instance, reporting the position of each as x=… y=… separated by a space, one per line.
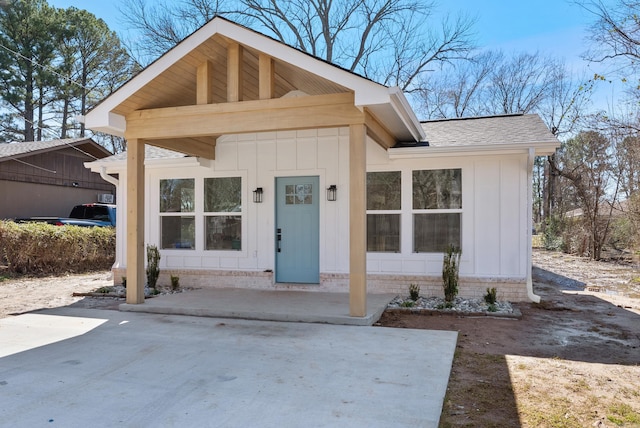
x=571 y=361
x=29 y=294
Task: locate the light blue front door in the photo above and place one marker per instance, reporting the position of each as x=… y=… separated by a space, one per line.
x=297 y=230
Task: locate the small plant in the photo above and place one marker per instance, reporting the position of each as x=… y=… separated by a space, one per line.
x=414 y=291
x=153 y=269
x=552 y=237
x=175 y=282
x=492 y=307
x=450 y=273
x=408 y=304
x=491 y=297
x=104 y=290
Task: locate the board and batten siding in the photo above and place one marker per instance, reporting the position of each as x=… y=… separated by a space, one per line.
x=258 y=159
x=494 y=217
x=494 y=224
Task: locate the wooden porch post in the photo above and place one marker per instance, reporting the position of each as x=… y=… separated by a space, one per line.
x=357 y=221
x=135 y=221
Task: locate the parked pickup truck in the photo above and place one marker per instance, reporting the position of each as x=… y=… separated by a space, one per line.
x=86 y=215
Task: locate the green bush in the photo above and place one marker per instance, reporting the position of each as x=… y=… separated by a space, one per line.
x=175 y=282
x=552 y=237
x=414 y=292
x=44 y=249
x=492 y=296
x=153 y=269
x=450 y=273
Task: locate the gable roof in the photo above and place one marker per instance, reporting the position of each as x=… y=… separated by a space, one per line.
x=170 y=81
x=10 y=151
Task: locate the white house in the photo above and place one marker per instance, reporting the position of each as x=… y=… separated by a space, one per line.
x=252 y=164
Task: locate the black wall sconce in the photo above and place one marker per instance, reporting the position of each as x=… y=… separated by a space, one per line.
x=257 y=195
x=332 y=192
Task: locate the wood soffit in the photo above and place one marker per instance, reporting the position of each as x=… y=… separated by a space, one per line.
x=186 y=107
x=176 y=86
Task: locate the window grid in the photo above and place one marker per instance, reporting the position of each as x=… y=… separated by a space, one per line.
x=439 y=226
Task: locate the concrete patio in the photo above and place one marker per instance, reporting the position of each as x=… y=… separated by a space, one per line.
x=85 y=367
x=266 y=305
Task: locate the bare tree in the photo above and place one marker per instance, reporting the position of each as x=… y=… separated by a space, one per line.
x=521 y=84
x=615 y=34
x=459 y=90
x=385 y=40
x=587 y=162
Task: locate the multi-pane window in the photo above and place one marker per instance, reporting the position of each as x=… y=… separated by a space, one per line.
x=177 y=218
x=383 y=211
x=437 y=209
x=223 y=213
x=298 y=194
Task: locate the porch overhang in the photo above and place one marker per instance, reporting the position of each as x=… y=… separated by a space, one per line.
x=225 y=79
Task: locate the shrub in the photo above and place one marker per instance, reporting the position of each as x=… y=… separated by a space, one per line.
x=175 y=282
x=153 y=268
x=450 y=273
x=414 y=291
x=492 y=296
x=552 y=237
x=44 y=249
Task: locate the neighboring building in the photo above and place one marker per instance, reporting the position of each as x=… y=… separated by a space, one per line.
x=286 y=172
x=47 y=178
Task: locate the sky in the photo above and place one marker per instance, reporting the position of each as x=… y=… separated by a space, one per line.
x=553 y=27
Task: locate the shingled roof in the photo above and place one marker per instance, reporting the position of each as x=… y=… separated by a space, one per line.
x=17 y=150
x=488 y=130
x=150 y=152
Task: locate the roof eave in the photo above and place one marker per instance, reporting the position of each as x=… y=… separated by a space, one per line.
x=115 y=166
x=544 y=148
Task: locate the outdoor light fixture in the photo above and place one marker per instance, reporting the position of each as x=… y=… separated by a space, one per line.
x=332 y=192
x=257 y=195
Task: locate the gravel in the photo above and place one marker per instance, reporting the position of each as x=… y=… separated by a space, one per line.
x=460 y=305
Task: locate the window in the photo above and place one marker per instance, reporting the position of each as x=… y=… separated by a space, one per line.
x=298 y=194
x=223 y=213
x=177 y=230
x=383 y=211
x=437 y=209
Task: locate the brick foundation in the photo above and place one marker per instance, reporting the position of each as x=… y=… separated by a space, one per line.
x=510 y=289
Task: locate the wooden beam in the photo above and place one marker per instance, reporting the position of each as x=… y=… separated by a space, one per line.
x=377 y=132
x=317 y=111
x=204 y=83
x=135 y=221
x=266 y=80
x=234 y=72
x=357 y=221
x=203 y=147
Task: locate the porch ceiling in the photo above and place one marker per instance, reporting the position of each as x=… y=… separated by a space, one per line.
x=177 y=85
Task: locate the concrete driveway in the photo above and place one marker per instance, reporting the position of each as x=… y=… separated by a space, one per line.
x=78 y=367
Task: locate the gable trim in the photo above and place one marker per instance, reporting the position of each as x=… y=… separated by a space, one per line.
x=387 y=102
